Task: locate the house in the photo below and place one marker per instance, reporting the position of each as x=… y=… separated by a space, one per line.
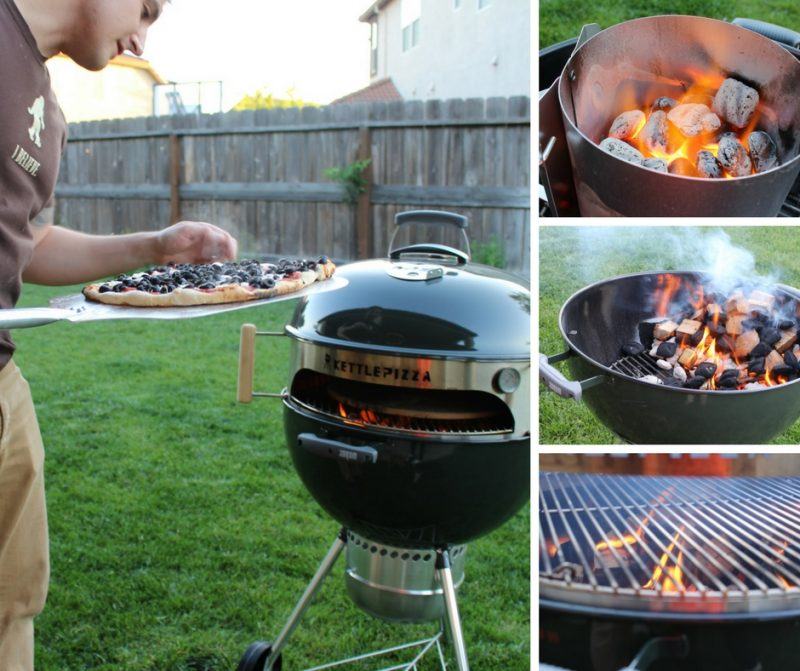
x=123 y=89
x=449 y=48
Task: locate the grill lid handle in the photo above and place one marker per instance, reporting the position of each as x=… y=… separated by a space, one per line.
x=335 y=449
x=429 y=248
x=440 y=217
x=555 y=381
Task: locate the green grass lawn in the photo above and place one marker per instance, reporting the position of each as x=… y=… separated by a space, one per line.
x=572 y=257
x=179 y=530
x=562 y=19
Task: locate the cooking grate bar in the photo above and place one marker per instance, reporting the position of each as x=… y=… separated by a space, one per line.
x=638 y=366
x=687 y=535
x=791 y=208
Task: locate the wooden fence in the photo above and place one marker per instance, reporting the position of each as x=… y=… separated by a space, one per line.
x=259 y=174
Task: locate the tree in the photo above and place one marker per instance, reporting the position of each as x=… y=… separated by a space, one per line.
x=263 y=99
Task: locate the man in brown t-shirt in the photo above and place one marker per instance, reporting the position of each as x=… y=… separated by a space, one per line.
x=32 y=137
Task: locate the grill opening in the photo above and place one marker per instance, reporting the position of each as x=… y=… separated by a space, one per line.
x=413 y=410
x=683 y=543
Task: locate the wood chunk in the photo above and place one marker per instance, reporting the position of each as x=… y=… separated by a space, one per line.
x=737 y=305
x=745 y=344
x=734 y=325
x=627 y=124
x=698 y=314
x=735 y=102
x=788 y=338
x=689 y=327
x=665 y=330
x=713 y=309
x=762 y=299
x=688 y=357
x=774 y=359
x=692 y=119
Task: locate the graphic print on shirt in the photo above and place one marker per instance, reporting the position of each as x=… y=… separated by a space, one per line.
x=37 y=111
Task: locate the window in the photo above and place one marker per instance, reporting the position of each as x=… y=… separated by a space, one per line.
x=373 y=46
x=484 y=3
x=410 y=12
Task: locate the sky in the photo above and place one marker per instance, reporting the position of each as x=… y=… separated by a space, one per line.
x=319 y=48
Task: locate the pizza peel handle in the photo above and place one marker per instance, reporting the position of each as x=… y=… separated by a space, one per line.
x=25 y=318
x=247 y=362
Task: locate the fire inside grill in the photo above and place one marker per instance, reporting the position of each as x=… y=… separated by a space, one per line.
x=711 y=130
x=703 y=339
x=393 y=408
x=719 y=544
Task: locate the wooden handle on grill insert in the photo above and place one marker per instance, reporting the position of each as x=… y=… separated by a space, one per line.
x=247 y=361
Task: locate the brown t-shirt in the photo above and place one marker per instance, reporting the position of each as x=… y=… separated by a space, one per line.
x=32 y=136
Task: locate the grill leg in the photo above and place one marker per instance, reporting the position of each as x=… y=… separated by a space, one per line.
x=308 y=596
x=445 y=576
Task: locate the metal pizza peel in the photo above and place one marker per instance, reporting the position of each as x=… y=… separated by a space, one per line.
x=76 y=308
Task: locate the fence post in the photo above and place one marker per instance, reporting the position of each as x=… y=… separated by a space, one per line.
x=364 y=208
x=174 y=178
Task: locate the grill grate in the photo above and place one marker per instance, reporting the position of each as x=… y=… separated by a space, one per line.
x=791 y=208
x=670 y=544
x=638 y=366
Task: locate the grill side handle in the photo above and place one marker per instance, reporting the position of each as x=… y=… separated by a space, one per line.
x=555 y=381
x=335 y=449
x=247 y=363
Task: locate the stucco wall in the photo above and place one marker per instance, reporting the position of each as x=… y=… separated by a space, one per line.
x=462 y=53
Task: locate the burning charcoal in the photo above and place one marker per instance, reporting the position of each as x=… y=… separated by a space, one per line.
x=755 y=385
x=695 y=382
x=745 y=344
x=655 y=164
x=725 y=344
x=627 y=124
x=728 y=382
x=734 y=326
x=788 y=338
x=762 y=151
x=632 y=348
x=760 y=350
x=688 y=327
x=696 y=338
x=783 y=370
x=663 y=103
x=654 y=133
x=757 y=366
x=692 y=119
x=666 y=329
x=708 y=165
x=733 y=156
x=652 y=379
x=687 y=358
x=791 y=360
x=717 y=329
x=770 y=336
x=772 y=360
x=679 y=373
x=730 y=373
x=666 y=350
x=663 y=364
x=785 y=324
x=683 y=166
x=622 y=150
x=735 y=102
x=706 y=369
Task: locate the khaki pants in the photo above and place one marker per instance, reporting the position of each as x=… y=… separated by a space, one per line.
x=24 y=551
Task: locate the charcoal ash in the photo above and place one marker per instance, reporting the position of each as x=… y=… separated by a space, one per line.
x=708 y=166
x=733 y=156
x=693 y=119
x=735 y=102
x=679 y=374
x=622 y=150
x=666 y=350
x=763 y=151
x=632 y=348
x=663 y=364
x=626 y=124
x=683 y=166
x=658 y=164
x=652 y=379
x=664 y=103
x=654 y=133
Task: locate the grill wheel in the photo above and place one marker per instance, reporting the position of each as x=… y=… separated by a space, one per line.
x=255 y=657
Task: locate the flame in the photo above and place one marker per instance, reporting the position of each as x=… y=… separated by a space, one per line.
x=673 y=580
x=668 y=285
x=553 y=547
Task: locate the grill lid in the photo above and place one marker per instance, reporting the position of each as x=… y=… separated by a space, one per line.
x=670 y=547
x=467 y=310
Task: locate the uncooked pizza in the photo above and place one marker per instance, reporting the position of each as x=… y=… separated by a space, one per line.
x=185 y=284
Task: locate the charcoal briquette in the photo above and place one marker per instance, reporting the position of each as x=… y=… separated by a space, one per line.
x=663 y=103
x=658 y=164
x=666 y=350
x=708 y=165
x=725 y=344
x=756 y=366
x=763 y=151
x=632 y=348
x=783 y=370
x=654 y=133
x=728 y=382
x=785 y=324
x=791 y=360
x=622 y=150
x=770 y=336
x=626 y=124
x=760 y=350
x=733 y=156
x=695 y=382
x=693 y=119
x=706 y=369
x=697 y=337
x=735 y=102
x=730 y=372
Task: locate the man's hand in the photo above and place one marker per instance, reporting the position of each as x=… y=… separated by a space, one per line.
x=194 y=242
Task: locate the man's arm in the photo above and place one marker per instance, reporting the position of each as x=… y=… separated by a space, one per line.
x=62 y=256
